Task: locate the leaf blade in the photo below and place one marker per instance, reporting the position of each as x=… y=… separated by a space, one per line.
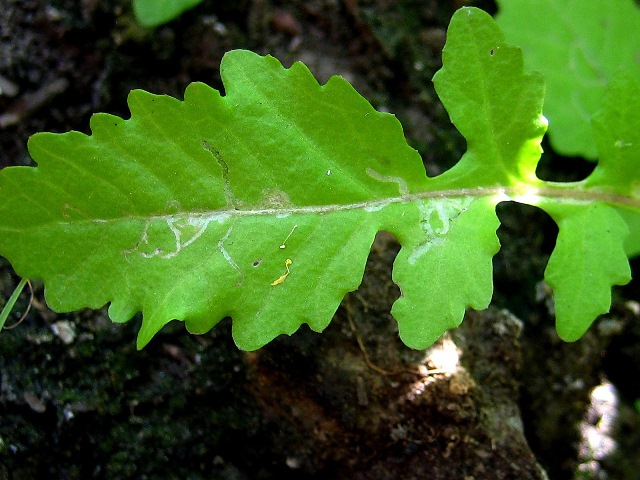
x=445 y=268
x=588 y=259
x=188 y=214
x=492 y=102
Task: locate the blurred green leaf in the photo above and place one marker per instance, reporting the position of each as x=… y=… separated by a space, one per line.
x=578 y=45
x=152 y=13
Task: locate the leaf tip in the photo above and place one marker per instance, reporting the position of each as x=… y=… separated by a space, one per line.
x=571 y=331
x=148 y=329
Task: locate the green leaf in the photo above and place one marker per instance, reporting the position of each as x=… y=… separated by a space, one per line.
x=262 y=204
x=578 y=45
x=152 y=13
x=181 y=211
x=492 y=102
x=588 y=259
x=448 y=272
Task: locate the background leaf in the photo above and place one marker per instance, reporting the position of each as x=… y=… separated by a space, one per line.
x=632 y=242
x=151 y=13
x=578 y=45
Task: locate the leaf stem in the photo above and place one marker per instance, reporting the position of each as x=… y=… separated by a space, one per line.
x=12 y=301
x=529 y=194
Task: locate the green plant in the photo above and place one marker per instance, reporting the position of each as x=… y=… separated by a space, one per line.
x=152 y=13
x=262 y=204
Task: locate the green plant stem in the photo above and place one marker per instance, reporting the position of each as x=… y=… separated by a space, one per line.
x=11 y=302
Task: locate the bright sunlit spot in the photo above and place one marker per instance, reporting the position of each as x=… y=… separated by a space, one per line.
x=597 y=429
x=441 y=359
x=444 y=356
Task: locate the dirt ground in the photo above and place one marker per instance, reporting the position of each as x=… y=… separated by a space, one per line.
x=499 y=398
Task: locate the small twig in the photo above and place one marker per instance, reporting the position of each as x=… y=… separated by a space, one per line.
x=381 y=370
x=365 y=354
x=423 y=372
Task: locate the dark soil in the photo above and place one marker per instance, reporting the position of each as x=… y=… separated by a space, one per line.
x=500 y=398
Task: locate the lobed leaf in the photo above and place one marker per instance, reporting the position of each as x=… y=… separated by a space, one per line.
x=262 y=204
x=181 y=210
x=449 y=271
x=578 y=45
